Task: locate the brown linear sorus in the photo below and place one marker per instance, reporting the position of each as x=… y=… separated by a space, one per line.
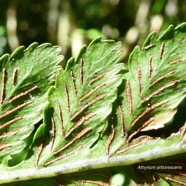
x=147 y=110
x=122 y=121
x=150 y=67
x=162 y=47
x=81 y=71
x=4 y=146
x=175 y=181
x=93 y=80
x=60 y=116
x=63 y=156
x=39 y=151
x=10 y=122
x=162 y=77
x=8 y=134
x=23 y=94
x=67 y=97
x=91 y=92
x=3 y=86
x=86 y=105
x=139 y=80
x=133 y=146
x=14 y=76
x=100 y=183
x=81 y=134
x=110 y=139
x=53 y=132
x=73 y=82
x=129 y=97
x=16 y=109
x=80 y=122
x=167 y=85
x=175 y=61
x=140 y=128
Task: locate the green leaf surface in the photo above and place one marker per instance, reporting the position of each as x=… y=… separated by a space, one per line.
x=79 y=104
x=100 y=119
x=148 y=101
x=25 y=77
x=137 y=153
x=81 y=101
x=155 y=85
x=156 y=82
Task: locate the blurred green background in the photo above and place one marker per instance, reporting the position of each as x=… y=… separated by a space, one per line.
x=72 y=23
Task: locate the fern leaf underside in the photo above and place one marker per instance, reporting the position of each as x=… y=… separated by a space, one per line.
x=97 y=116
x=25 y=78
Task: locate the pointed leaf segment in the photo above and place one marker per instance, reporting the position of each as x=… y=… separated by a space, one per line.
x=155 y=84
x=25 y=77
x=96 y=115
x=81 y=100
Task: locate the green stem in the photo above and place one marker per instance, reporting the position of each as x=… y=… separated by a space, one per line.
x=157 y=148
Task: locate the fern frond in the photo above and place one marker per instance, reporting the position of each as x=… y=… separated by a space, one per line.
x=25 y=77
x=155 y=83
x=81 y=101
